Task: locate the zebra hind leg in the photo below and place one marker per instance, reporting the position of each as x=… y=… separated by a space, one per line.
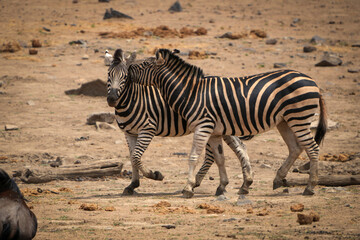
x=294 y=151
x=239 y=149
x=208 y=162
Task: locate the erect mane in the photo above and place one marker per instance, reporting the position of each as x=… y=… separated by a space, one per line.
x=172 y=56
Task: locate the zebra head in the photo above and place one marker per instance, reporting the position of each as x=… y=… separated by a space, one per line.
x=147 y=72
x=117 y=76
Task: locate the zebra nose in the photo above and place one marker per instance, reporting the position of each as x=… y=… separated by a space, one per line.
x=112 y=97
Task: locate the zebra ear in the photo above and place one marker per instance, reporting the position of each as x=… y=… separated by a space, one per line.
x=159 y=58
x=131 y=58
x=175 y=51
x=119 y=55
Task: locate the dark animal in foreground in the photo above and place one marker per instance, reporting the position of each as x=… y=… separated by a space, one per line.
x=17 y=221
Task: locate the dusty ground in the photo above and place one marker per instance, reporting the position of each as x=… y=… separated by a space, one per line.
x=32 y=97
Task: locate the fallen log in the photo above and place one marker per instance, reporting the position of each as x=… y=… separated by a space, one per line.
x=328 y=180
x=96 y=169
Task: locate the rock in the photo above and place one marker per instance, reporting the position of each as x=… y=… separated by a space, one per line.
x=308 y=49
x=47 y=29
x=85 y=57
x=271 y=41
x=100 y=117
x=279 y=65
x=115 y=14
x=110 y=209
x=89 y=206
x=211 y=178
x=82 y=138
x=263 y=212
x=168 y=226
x=249 y=211
x=229 y=220
x=296 y=20
x=197 y=55
x=329 y=60
x=258 y=33
x=353 y=70
x=304 y=219
x=77 y=162
x=9 y=127
x=232 y=36
x=315 y=216
x=80 y=42
x=176 y=7
x=94 y=88
x=162 y=204
x=297 y=207
x=265 y=166
x=105 y=126
x=36 y=43
x=317 y=40
x=33 y=51
x=356 y=45
x=10 y=47
x=242 y=200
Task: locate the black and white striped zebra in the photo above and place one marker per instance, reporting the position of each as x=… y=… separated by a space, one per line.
x=241 y=106
x=142 y=113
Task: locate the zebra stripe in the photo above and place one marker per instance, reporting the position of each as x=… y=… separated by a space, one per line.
x=241 y=106
x=142 y=113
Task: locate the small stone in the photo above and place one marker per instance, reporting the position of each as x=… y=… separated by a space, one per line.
x=110 y=209
x=211 y=178
x=356 y=45
x=30 y=103
x=265 y=166
x=353 y=70
x=296 y=20
x=263 y=212
x=85 y=57
x=315 y=216
x=89 y=206
x=9 y=127
x=118 y=142
x=77 y=162
x=304 y=219
x=317 y=40
x=104 y=126
x=33 y=51
x=329 y=60
x=197 y=55
x=297 y=207
x=176 y=7
x=47 y=29
x=279 y=65
x=36 y=43
x=10 y=47
x=249 y=211
x=115 y=14
x=258 y=33
x=308 y=49
x=229 y=220
x=232 y=36
x=168 y=226
x=271 y=41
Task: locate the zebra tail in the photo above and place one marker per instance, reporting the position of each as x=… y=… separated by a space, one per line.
x=322 y=126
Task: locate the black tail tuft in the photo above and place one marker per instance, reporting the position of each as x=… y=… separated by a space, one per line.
x=322 y=126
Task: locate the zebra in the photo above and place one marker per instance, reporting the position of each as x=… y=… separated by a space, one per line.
x=142 y=113
x=240 y=106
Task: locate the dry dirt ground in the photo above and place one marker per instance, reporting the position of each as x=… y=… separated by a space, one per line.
x=32 y=97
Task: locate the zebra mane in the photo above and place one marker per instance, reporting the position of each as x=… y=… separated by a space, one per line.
x=172 y=56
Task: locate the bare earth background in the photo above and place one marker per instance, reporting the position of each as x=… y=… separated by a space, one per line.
x=32 y=98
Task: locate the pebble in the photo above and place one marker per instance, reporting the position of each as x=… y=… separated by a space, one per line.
x=329 y=60
x=85 y=57
x=271 y=41
x=30 y=103
x=265 y=166
x=168 y=226
x=279 y=65
x=176 y=7
x=308 y=49
x=33 y=51
x=9 y=127
x=353 y=70
x=317 y=40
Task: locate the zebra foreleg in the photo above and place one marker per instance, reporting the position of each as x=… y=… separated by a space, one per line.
x=239 y=149
x=294 y=151
x=208 y=162
x=135 y=177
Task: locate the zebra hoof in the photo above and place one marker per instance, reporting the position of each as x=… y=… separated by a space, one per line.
x=128 y=191
x=280 y=183
x=220 y=191
x=243 y=191
x=308 y=192
x=187 y=194
x=158 y=176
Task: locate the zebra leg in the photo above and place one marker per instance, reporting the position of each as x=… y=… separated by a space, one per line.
x=143 y=140
x=239 y=149
x=208 y=162
x=135 y=177
x=215 y=143
x=294 y=151
x=201 y=137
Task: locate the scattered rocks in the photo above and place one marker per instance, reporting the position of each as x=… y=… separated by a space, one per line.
x=104 y=126
x=176 y=7
x=271 y=41
x=9 y=127
x=10 y=47
x=279 y=65
x=197 y=55
x=233 y=36
x=317 y=40
x=304 y=219
x=94 y=88
x=329 y=60
x=36 y=43
x=111 y=13
x=308 y=49
x=100 y=117
x=258 y=33
x=342 y=157
x=297 y=207
x=33 y=51
x=89 y=207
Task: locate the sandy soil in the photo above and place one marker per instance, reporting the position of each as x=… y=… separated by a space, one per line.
x=32 y=98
